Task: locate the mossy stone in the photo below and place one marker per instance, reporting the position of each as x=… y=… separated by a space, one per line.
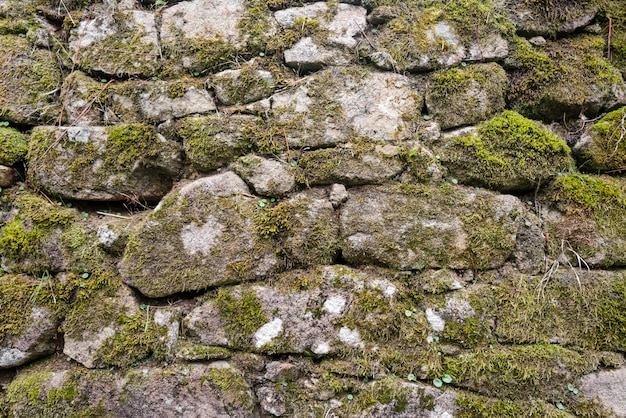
x=466 y=95
x=508 y=153
x=603 y=148
x=13 y=146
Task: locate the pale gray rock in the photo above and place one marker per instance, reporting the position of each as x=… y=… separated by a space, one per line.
x=338 y=195
x=81 y=106
x=121 y=162
x=306 y=55
x=209 y=19
x=117 y=43
x=272 y=402
x=207 y=225
x=267 y=177
x=325 y=108
x=240 y=86
x=84 y=344
x=608 y=388
x=532 y=19
x=429 y=227
x=192 y=391
x=35 y=342
x=341 y=24
x=277 y=371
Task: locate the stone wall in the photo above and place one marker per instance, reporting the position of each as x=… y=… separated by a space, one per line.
x=256 y=208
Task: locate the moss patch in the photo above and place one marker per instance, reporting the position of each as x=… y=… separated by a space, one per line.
x=242 y=314
x=607 y=149
x=13 y=146
x=507 y=153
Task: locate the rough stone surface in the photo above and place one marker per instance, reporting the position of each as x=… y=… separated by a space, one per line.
x=34 y=342
x=608 y=387
x=7 y=176
x=122 y=162
x=242 y=86
x=213 y=220
x=266 y=177
x=408 y=230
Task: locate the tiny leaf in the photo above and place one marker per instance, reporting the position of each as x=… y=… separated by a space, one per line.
x=437 y=382
x=85 y=275
x=560 y=406
x=446 y=378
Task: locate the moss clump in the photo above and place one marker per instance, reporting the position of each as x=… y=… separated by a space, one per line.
x=593 y=219
x=213 y=141
x=29 y=394
x=28 y=242
x=139 y=338
x=233 y=388
x=412 y=43
x=554 y=83
x=201 y=56
x=520 y=371
x=242 y=314
x=13 y=146
x=508 y=153
x=388 y=391
x=29 y=79
x=477 y=406
x=245 y=85
x=466 y=95
x=128 y=143
x=191 y=352
x=607 y=149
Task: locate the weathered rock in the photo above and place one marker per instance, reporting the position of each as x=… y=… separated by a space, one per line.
x=245 y=85
x=584 y=220
x=602 y=147
x=271 y=401
x=550 y=20
x=85 y=103
x=214 y=141
x=333 y=29
x=417 y=227
x=114 y=331
x=27 y=330
x=121 y=162
x=607 y=387
x=267 y=177
x=301 y=312
x=509 y=153
x=417 y=39
x=13 y=146
x=7 y=176
x=29 y=81
x=112 y=236
x=466 y=95
x=328 y=107
x=202 y=34
x=117 y=43
x=195 y=391
x=351 y=164
x=208 y=225
x=35 y=237
x=567 y=78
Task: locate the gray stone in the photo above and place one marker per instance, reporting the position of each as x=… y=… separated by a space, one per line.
x=117 y=43
x=267 y=177
x=306 y=55
x=531 y=19
x=608 y=388
x=36 y=341
x=123 y=162
x=338 y=195
x=193 y=390
x=271 y=401
x=29 y=79
x=429 y=228
x=245 y=85
x=207 y=225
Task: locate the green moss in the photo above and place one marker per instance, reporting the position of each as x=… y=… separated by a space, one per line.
x=242 y=314
x=478 y=406
x=383 y=392
x=213 y=141
x=139 y=338
x=30 y=394
x=508 y=153
x=24 y=240
x=589 y=192
x=204 y=55
x=467 y=95
x=29 y=78
x=234 y=390
x=201 y=352
x=520 y=371
x=273 y=221
x=607 y=150
x=612 y=317
x=13 y=146
x=553 y=83
x=127 y=143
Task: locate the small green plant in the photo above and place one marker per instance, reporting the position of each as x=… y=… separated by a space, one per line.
x=572 y=388
x=411 y=378
x=4 y=123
